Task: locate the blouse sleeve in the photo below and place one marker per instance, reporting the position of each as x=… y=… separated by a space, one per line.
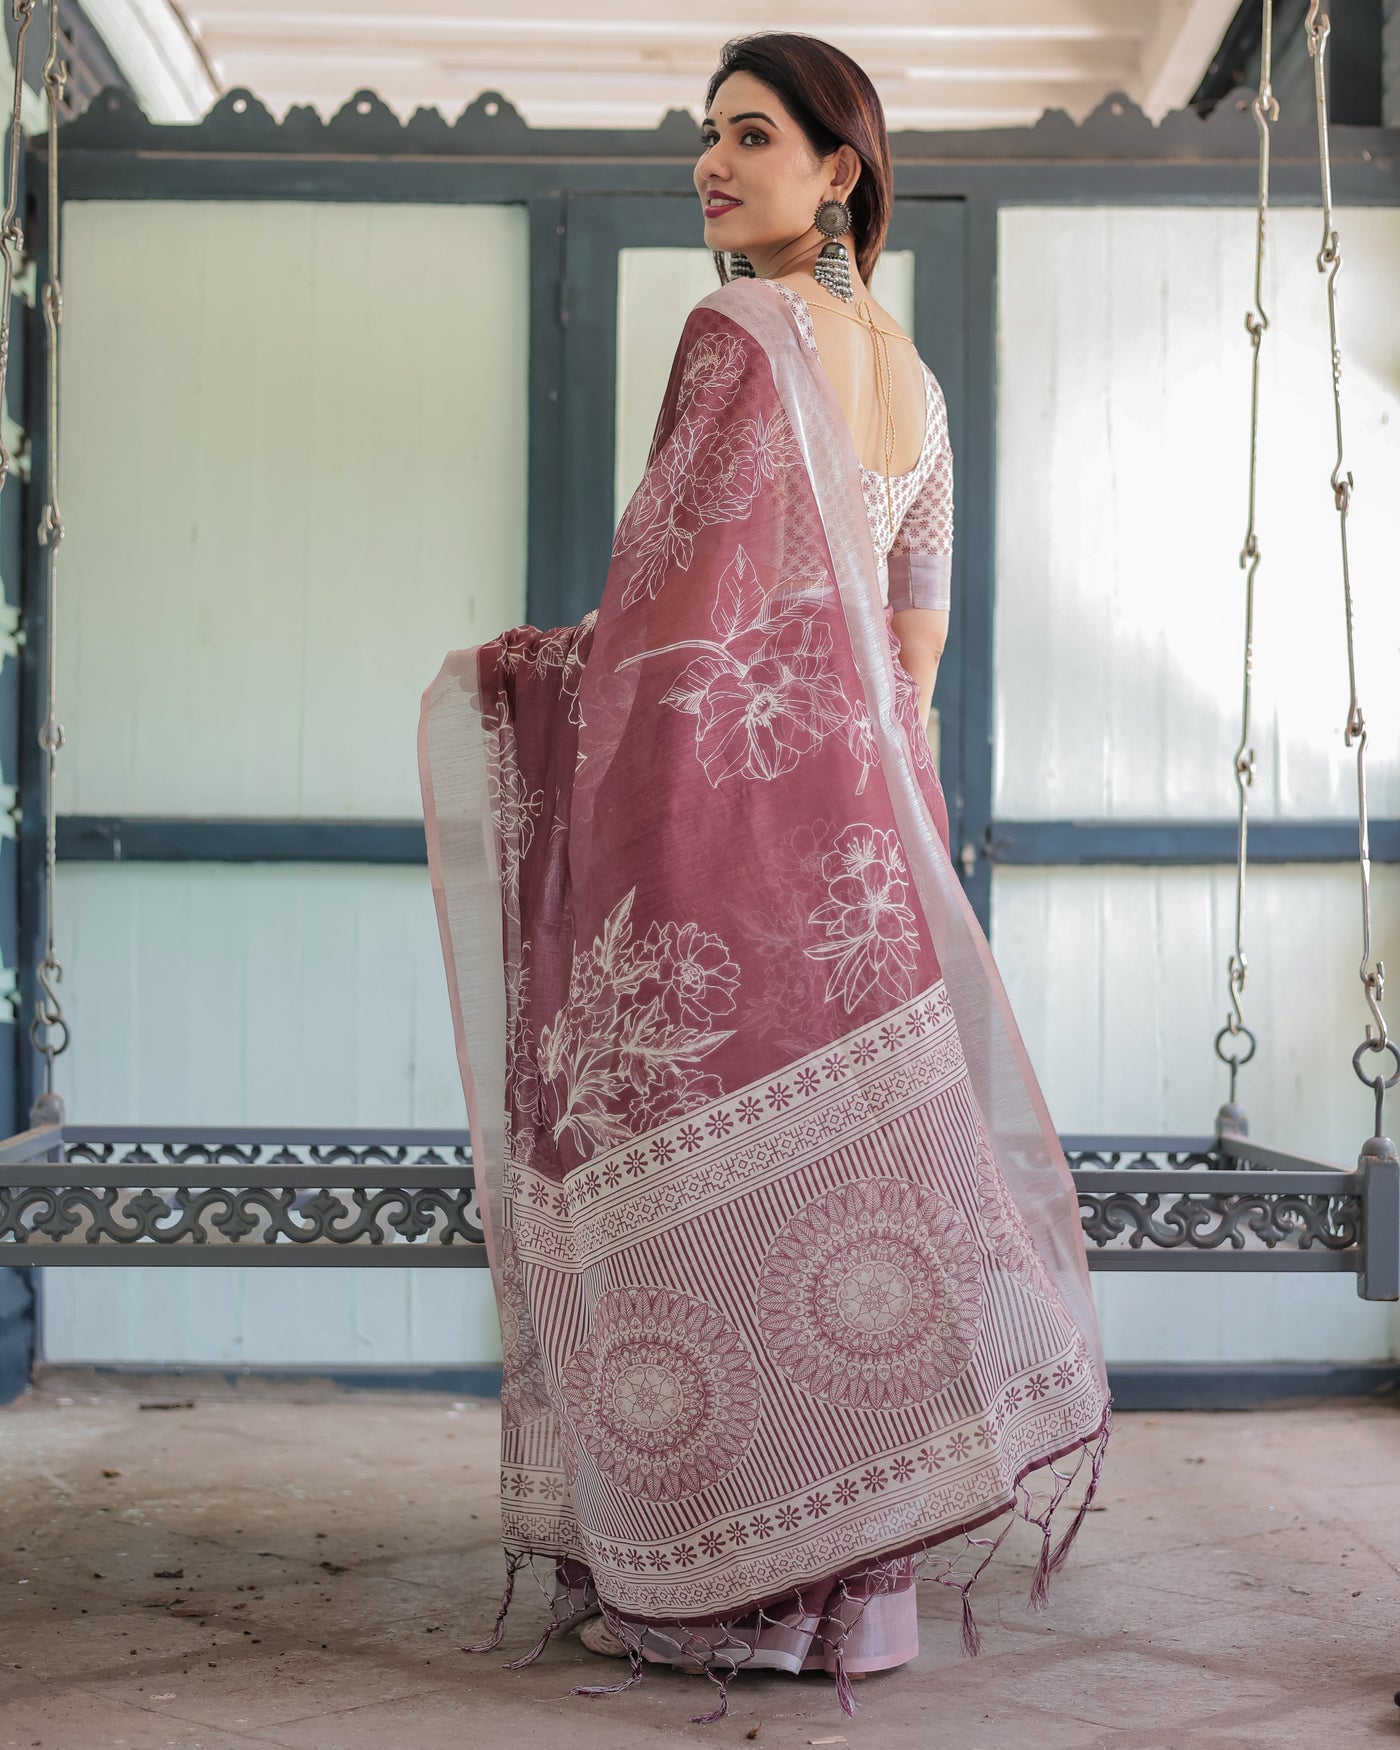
x=921 y=558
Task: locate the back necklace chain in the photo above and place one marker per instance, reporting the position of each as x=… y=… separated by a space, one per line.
x=884 y=377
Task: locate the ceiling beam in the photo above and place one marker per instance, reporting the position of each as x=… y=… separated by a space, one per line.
x=935 y=20
x=1178 y=50
x=158 y=56
x=346 y=66
x=936 y=62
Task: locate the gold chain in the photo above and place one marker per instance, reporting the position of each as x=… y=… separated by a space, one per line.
x=884 y=377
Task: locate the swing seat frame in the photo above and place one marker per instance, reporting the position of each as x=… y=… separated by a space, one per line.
x=151 y=1194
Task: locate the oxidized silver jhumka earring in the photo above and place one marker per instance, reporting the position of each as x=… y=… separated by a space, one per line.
x=832 y=268
x=740 y=267
x=832 y=271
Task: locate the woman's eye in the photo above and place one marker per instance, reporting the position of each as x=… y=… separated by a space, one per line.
x=708 y=140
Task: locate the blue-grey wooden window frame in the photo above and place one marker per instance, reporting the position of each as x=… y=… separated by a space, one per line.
x=597 y=227
x=1116 y=157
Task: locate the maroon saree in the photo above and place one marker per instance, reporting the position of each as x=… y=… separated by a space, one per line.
x=792 y=1291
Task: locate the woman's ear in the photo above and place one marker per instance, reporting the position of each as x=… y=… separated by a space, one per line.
x=845 y=171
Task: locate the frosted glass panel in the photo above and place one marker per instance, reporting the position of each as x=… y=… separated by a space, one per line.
x=1117 y=978
x=656 y=291
x=1123 y=419
x=294 y=475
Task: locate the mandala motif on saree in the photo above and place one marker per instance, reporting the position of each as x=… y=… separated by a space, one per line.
x=787 y=1257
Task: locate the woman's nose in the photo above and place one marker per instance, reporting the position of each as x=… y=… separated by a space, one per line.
x=713 y=167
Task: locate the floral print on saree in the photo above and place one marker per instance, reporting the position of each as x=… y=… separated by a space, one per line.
x=793 y=1298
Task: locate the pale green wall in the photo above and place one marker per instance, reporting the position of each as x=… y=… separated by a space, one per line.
x=294 y=476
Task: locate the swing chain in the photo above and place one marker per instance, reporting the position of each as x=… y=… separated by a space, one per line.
x=11 y=229
x=49 y=1030
x=1318 y=27
x=1265 y=111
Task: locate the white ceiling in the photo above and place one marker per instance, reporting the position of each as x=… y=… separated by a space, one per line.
x=937 y=63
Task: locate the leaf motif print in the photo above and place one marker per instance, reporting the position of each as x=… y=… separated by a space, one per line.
x=621 y=1055
x=560 y=649
x=860 y=736
x=740 y=600
x=687 y=692
x=870 y=935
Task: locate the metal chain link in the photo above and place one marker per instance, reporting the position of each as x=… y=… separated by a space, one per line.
x=1318 y=27
x=1265 y=111
x=11 y=230
x=49 y=1030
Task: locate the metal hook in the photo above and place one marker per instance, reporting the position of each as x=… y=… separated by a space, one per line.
x=1377 y=1083
x=1234 y=1028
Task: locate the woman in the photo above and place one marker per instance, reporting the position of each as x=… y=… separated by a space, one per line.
x=793 y=1297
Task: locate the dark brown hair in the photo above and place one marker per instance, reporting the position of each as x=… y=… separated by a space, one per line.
x=834 y=103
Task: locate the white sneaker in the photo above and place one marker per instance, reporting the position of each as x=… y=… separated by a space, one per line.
x=599 y=1638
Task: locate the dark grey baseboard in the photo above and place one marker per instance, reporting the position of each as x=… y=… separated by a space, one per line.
x=1144 y=1386
x=16 y=1331
x=1249 y=1385
x=483 y=1381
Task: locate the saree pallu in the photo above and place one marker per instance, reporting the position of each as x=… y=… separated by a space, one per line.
x=792 y=1290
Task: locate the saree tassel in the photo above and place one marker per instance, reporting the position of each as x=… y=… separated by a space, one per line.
x=612 y=1688
x=1040 y=1582
x=971 y=1634
x=535 y=1651
x=722 y=1683
x=493 y=1640
x=1062 y=1549
x=845 y=1693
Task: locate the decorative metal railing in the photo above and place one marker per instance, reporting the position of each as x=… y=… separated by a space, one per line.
x=82 y=1194
x=1230 y=1203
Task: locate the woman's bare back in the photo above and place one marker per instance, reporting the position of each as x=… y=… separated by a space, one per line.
x=852 y=362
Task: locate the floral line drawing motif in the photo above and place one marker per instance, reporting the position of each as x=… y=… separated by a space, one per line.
x=597 y=1226
x=906 y=705
x=557 y=649
x=706 y=471
x=621 y=1055
x=869 y=930
x=522 y=1079
x=513 y=808
x=872 y=1063
x=764 y=693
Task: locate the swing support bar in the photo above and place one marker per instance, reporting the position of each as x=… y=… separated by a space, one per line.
x=84 y=1194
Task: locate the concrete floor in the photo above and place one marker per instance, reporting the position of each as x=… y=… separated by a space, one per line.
x=297 y=1565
